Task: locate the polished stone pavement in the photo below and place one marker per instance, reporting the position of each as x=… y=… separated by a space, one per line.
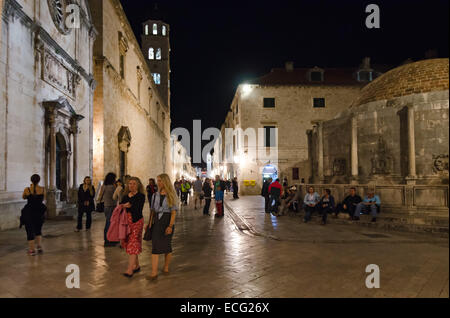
x=246 y=254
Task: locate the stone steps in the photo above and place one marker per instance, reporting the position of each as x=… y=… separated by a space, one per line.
x=420 y=223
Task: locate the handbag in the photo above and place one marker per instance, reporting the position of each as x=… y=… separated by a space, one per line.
x=149 y=229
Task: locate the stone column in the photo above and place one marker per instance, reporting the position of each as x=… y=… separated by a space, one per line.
x=52 y=126
x=320 y=151
x=354 y=149
x=309 y=134
x=74 y=123
x=411 y=179
x=74 y=130
x=51 y=191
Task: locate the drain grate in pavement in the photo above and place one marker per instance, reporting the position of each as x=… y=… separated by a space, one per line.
x=376 y=235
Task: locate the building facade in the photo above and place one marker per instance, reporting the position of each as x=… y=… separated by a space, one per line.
x=131 y=118
x=280 y=107
x=46 y=103
x=182 y=166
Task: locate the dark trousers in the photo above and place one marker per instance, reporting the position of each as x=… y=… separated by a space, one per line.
x=184 y=197
x=325 y=212
x=207 y=205
x=266 y=203
x=309 y=211
x=88 y=219
x=235 y=193
x=350 y=209
x=108 y=213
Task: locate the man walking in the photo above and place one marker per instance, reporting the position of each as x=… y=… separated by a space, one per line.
x=197 y=192
x=265 y=194
x=185 y=188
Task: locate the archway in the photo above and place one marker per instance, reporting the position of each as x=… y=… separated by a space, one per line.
x=62 y=166
x=270 y=171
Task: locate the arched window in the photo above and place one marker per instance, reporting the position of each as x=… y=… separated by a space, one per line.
x=151 y=53
x=157 y=78
x=146 y=29
x=164 y=30
x=158 y=54
x=155 y=29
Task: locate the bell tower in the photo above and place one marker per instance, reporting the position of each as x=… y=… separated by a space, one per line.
x=156 y=49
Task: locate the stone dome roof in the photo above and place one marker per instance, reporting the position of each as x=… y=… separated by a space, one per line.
x=414 y=78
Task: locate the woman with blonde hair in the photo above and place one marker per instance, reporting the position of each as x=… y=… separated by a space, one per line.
x=165 y=206
x=133 y=200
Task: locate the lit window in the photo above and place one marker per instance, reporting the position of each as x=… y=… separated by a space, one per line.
x=146 y=29
x=151 y=54
x=155 y=29
x=157 y=78
x=158 y=54
x=164 y=30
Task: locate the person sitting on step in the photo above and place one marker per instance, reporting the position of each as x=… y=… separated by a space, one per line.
x=371 y=204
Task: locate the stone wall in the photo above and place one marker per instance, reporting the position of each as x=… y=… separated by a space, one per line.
x=130 y=103
x=35 y=61
x=429 y=200
x=383 y=138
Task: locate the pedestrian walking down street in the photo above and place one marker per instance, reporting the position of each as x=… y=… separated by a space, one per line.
x=198 y=192
x=185 y=188
x=86 y=195
x=207 y=191
x=165 y=205
x=219 y=194
x=151 y=189
x=177 y=186
x=235 y=188
x=265 y=193
x=106 y=194
x=33 y=215
x=134 y=200
x=118 y=193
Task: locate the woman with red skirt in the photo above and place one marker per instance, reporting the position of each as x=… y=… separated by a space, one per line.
x=134 y=200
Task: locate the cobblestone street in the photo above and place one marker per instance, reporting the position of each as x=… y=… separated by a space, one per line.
x=245 y=254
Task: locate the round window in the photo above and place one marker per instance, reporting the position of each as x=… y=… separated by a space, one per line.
x=59 y=14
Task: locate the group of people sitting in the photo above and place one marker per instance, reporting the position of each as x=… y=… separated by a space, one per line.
x=281 y=199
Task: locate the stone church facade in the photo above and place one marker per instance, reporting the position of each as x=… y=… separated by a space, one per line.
x=46 y=103
x=131 y=118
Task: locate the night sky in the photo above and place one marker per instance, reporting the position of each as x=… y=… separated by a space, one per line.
x=216 y=45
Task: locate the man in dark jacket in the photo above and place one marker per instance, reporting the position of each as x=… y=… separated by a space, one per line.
x=265 y=194
x=235 y=188
x=350 y=203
